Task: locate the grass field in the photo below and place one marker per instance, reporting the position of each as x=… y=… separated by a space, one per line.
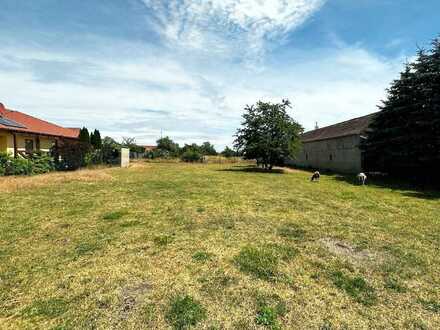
x=218 y=246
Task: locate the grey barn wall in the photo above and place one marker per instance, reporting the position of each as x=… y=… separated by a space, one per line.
x=345 y=153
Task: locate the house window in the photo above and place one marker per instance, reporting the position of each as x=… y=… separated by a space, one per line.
x=29 y=145
x=330 y=157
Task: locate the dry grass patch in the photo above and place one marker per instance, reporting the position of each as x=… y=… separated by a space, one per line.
x=15 y=183
x=215 y=246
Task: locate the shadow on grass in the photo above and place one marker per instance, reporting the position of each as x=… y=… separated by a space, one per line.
x=405 y=188
x=251 y=169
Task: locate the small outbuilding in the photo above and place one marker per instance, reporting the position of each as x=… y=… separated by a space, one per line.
x=336 y=147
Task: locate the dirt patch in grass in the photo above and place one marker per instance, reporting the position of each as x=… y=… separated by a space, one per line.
x=15 y=183
x=131 y=296
x=344 y=249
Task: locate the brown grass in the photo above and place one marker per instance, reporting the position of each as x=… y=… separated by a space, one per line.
x=14 y=183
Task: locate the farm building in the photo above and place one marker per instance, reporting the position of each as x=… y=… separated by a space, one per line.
x=336 y=147
x=21 y=134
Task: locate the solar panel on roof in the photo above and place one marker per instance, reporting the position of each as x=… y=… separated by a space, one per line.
x=10 y=123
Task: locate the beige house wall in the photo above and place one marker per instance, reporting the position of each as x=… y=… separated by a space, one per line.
x=7 y=142
x=339 y=155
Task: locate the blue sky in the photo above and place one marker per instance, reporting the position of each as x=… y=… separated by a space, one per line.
x=134 y=67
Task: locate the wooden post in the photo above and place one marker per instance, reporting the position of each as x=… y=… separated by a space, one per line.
x=37 y=143
x=15 y=145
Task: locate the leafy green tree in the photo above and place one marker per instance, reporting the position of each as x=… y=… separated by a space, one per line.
x=228 y=153
x=268 y=133
x=208 y=149
x=191 y=147
x=110 y=150
x=84 y=136
x=168 y=145
x=95 y=139
x=405 y=135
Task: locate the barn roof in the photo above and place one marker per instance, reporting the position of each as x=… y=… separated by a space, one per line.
x=354 y=126
x=20 y=122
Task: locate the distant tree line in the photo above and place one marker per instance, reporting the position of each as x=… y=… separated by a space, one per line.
x=167 y=148
x=404 y=138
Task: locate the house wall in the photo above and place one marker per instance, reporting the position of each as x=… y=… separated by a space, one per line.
x=7 y=142
x=3 y=142
x=340 y=155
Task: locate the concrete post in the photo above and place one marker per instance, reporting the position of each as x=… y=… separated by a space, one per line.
x=125 y=157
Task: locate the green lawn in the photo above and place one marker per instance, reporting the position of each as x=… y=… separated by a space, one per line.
x=161 y=246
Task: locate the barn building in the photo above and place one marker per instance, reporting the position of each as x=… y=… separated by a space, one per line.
x=336 y=147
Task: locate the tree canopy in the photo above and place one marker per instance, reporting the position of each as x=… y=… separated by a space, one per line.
x=168 y=145
x=405 y=135
x=268 y=133
x=84 y=135
x=95 y=139
x=208 y=149
x=228 y=152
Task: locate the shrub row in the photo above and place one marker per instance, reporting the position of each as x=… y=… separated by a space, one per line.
x=37 y=163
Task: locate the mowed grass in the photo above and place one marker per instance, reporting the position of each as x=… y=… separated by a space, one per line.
x=218 y=246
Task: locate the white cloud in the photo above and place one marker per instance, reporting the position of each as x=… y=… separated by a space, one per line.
x=141 y=94
x=229 y=26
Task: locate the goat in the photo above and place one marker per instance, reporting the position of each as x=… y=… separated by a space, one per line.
x=362 y=178
x=315 y=176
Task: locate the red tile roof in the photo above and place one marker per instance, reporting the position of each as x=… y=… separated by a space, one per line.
x=34 y=125
x=354 y=126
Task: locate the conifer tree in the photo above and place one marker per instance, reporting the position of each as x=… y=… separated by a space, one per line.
x=95 y=139
x=404 y=138
x=84 y=136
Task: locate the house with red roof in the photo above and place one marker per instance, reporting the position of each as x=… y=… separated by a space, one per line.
x=21 y=134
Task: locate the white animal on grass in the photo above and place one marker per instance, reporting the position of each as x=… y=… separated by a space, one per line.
x=315 y=176
x=362 y=178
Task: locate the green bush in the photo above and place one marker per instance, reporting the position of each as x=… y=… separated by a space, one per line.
x=37 y=163
x=192 y=156
x=42 y=163
x=4 y=158
x=70 y=155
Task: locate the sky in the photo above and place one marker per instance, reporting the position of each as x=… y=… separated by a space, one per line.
x=187 y=68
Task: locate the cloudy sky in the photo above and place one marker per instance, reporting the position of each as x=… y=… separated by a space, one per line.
x=188 y=67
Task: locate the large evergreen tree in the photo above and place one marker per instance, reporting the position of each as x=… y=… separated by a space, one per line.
x=405 y=135
x=84 y=136
x=95 y=139
x=268 y=133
